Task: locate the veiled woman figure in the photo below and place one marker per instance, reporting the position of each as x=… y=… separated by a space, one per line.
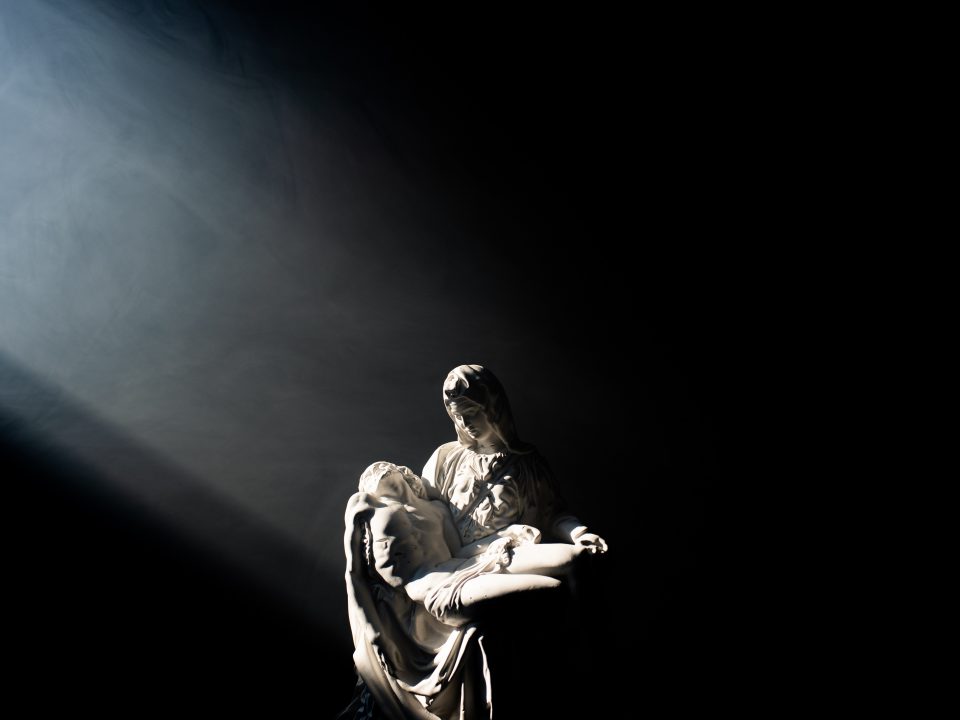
x=418 y=652
x=489 y=477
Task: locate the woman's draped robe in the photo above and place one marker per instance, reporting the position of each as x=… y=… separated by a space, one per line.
x=411 y=661
x=487 y=493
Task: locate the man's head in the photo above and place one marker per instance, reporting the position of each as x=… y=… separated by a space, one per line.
x=395 y=482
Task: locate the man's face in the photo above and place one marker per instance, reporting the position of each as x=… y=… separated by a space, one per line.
x=393 y=485
x=397 y=553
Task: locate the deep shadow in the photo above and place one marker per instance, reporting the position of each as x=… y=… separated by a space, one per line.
x=625 y=633
x=505 y=203
x=122 y=612
x=113 y=609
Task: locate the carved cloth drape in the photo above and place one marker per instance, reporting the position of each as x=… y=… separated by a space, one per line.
x=489 y=492
x=416 y=667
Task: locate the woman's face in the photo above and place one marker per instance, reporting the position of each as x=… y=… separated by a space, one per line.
x=472 y=421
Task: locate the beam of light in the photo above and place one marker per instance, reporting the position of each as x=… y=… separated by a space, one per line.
x=145 y=182
x=191 y=255
x=41 y=422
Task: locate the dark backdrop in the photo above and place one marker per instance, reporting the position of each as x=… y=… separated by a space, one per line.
x=241 y=244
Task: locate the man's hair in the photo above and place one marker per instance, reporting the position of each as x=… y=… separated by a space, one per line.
x=371 y=477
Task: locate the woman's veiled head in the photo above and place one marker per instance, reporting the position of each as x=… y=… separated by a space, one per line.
x=474 y=390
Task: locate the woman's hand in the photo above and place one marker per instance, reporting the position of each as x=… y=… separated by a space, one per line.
x=592 y=542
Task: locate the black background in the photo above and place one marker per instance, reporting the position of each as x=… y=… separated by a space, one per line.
x=587 y=185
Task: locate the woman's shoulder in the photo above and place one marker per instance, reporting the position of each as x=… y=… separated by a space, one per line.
x=448 y=450
x=531 y=458
x=532 y=466
x=434 y=470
